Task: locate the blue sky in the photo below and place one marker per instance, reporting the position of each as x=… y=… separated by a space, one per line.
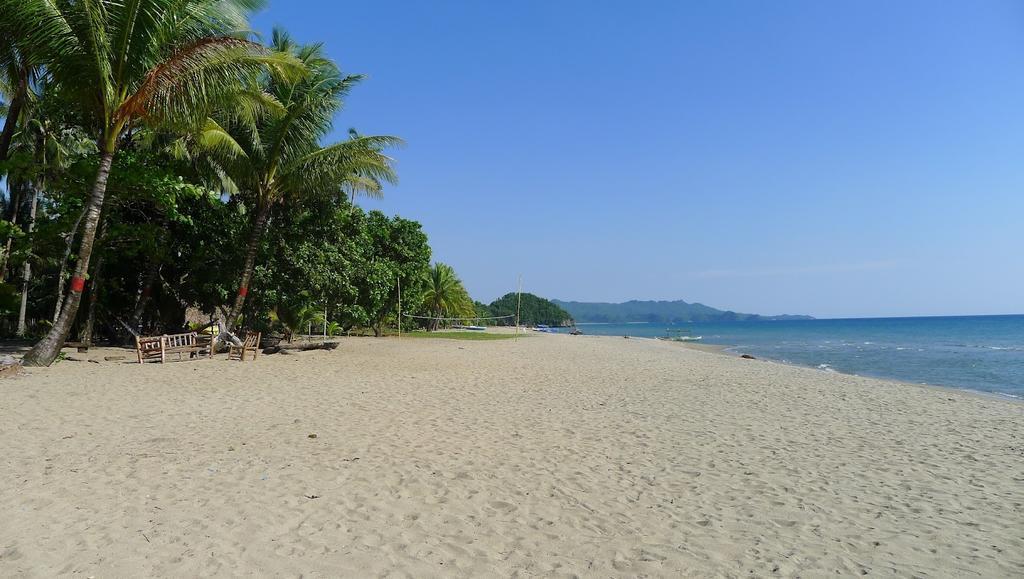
x=830 y=158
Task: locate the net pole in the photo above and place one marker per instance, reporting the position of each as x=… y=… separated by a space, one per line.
x=519 y=302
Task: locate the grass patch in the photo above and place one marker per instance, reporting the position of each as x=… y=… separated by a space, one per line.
x=469 y=335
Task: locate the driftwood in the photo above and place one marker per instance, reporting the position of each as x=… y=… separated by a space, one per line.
x=288 y=348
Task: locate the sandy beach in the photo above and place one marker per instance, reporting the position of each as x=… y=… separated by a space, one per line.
x=549 y=456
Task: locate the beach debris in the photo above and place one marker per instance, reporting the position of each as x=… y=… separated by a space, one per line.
x=748 y=357
x=311 y=497
x=91 y=361
x=627 y=337
x=9 y=369
x=312 y=435
x=288 y=348
x=113 y=358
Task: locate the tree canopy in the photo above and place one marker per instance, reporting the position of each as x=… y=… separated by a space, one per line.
x=164 y=170
x=533 y=310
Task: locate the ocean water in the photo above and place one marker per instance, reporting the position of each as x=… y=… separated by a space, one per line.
x=983 y=353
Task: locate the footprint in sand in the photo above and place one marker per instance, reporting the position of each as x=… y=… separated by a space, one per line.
x=502 y=506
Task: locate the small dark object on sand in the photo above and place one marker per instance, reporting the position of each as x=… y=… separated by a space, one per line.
x=575 y=332
x=627 y=337
x=311 y=496
x=113 y=358
x=93 y=361
x=748 y=357
x=311 y=436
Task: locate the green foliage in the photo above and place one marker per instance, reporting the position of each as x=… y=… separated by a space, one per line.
x=444 y=296
x=533 y=310
x=209 y=130
x=299 y=317
x=9 y=299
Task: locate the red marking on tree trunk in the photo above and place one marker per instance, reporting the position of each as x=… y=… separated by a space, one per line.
x=243 y=291
x=77 y=284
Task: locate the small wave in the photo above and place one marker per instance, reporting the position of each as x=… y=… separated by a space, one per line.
x=826 y=368
x=987 y=347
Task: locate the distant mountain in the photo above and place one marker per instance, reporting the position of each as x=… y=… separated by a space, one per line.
x=661 y=312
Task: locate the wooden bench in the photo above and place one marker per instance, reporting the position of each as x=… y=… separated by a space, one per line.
x=152 y=347
x=251 y=344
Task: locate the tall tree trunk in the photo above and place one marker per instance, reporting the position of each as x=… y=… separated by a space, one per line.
x=13 y=112
x=26 y=273
x=94 y=293
x=15 y=190
x=69 y=242
x=258 y=228
x=145 y=293
x=46 y=351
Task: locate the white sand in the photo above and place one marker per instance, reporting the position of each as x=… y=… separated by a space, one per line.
x=552 y=456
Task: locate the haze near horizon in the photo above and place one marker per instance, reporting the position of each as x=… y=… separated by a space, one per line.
x=836 y=160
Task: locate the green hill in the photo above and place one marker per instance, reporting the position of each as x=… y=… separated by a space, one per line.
x=534 y=310
x=666 y=312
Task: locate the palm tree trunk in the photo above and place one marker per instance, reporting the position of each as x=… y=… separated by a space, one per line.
x=94 y=288
x=26 y=273
x=69 y=242
x=46 y=351
x=145 y=293
x=13 y=112
x=15 y=207
x=250 y=263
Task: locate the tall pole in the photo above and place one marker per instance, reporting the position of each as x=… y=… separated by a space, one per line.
x=519 y=301
x=399 y=307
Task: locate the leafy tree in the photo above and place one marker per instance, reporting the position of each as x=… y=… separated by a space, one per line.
x=125 y=63
x=532 y=310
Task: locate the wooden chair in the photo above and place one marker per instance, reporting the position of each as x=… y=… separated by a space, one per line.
x=251 y=344
x=147 y=347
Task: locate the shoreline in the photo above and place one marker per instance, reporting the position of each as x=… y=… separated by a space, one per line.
x=732 y=352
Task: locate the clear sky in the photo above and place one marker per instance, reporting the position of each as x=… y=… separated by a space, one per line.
x=829 y=158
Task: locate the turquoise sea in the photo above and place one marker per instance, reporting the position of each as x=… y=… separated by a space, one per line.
x=983 y=353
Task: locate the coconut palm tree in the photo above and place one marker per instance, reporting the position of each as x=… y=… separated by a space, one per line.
x=445 y=296
x=277 y=156
x=121 y=63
